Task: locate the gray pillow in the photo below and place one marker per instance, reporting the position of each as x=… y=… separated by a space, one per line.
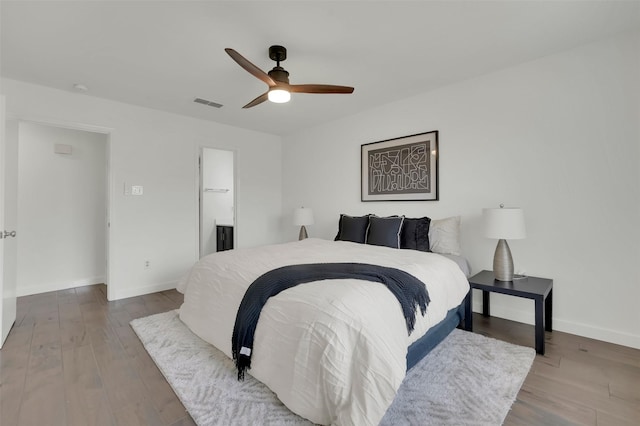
x=444 y=235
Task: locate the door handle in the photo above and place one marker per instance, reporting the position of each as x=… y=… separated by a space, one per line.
x=8 y=234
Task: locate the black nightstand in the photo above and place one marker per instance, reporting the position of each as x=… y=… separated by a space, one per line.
x=538 y=289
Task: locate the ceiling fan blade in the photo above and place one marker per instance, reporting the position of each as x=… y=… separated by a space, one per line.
x=319 y=88
x=257 y=101
x=250 y=68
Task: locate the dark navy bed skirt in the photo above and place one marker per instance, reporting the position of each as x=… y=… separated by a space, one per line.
x=421 y=347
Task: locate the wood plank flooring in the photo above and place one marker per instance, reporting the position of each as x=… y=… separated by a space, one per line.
x=578 y=381
x=73 y=359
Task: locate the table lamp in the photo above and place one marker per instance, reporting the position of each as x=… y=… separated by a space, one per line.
x=502 y=224
x=302 y=217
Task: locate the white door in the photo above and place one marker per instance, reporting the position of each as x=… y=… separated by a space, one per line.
x=8 y=219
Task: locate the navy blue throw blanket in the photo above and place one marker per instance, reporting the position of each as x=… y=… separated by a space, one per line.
x=410 y=292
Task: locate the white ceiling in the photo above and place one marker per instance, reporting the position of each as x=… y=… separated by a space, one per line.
x=163 y=54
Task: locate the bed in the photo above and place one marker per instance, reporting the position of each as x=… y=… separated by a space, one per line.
x=333 y=351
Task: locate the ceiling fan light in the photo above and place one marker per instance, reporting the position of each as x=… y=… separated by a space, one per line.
x=279 y=96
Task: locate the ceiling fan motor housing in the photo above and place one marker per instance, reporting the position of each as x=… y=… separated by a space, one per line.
x=278 y=54
x=279 y=74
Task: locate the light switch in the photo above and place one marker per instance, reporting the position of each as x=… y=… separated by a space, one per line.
x=137 y=190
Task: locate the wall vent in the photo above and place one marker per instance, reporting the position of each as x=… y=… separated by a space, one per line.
x=206 y=102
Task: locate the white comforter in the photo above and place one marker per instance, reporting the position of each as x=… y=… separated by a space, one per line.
x=333 y=351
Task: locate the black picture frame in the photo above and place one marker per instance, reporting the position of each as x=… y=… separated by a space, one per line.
x=400 y=169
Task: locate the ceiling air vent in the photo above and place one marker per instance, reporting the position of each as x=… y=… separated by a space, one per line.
x=206 y=102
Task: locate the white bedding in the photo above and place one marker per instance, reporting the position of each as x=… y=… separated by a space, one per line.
x=333 y=351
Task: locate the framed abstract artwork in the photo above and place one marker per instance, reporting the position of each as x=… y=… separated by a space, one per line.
x=401 y=169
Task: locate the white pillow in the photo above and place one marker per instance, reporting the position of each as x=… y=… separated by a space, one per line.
x=444 y=235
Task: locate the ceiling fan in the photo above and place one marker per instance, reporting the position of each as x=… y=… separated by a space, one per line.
x=278 y=79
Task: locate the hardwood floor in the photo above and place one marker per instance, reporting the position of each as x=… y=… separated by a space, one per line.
x=578 y=381
x=73 y=359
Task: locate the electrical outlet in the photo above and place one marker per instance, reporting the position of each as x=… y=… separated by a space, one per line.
x=137 y=190
x=147 y=264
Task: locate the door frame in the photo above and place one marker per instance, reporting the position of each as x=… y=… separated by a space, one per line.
x=7 y=309
x=107 y=131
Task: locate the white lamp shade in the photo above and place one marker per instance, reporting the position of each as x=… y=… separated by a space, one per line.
x=504 y=223
x=302 y=217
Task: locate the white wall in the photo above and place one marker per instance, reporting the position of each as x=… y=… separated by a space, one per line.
x=217 y=207
x=159 y=151
x=62 y=202
x=558 y=137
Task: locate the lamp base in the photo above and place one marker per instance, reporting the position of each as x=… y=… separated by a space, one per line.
x=303 y=233
x=503 y=262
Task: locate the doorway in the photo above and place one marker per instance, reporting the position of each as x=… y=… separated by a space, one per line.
x=218 y=229
x=63 y=207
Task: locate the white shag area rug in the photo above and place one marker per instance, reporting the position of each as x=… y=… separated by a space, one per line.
x=468 y=379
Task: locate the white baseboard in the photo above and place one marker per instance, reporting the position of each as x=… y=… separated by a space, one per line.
x=58 y=285
x=579 y=329
x=122 y=294
x=139 y=291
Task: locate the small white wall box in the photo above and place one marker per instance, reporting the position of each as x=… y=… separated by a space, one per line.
x=61 y=148
x=137 y=190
